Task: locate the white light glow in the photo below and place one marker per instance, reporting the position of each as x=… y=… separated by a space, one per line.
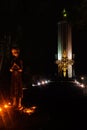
x=59 y=56
x=70 y=71
x=33 y=85
x=82 y=78
x=38 y=83
x=82 y=85
x=9 y=103
x=77 y=82
x=69 y=49
x=43 y=82
x=69 y=55
x=46 y=81
x=59 y=42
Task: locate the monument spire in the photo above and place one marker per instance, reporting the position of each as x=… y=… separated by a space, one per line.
x=64 y=52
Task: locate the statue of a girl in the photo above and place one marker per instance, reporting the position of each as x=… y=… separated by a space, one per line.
x=16 y=78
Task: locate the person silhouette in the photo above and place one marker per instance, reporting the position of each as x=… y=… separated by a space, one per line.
x=16 y=69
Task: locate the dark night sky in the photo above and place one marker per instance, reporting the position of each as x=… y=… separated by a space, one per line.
x=35 y=23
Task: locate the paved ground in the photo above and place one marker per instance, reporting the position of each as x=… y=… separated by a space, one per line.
x=59 y=106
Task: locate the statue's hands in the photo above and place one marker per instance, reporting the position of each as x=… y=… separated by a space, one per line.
x=20 y=70
x=15 y=67
x=11 y=70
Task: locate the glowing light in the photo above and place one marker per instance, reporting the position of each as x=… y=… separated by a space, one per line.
x=59 y=43
x=34 y=107
x=77 y=82
x=59 y=56
x=5 y=106
x=82 y=85
x=33 y=85
x=29 y=110
x=70 y=71
x=64 y=13
x=64 y=60
x=0 y=109
x=43 y=82
x=20 y=108
x=46 y=81
x=9 y=103
x=38 y=83
x=82 y=78
x=65 y=64
x=69 y=47
x=64 y=10
x=69 y=55
x=24 y=88
x=15 y=52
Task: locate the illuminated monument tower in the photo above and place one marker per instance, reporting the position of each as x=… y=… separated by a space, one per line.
x=64 y=54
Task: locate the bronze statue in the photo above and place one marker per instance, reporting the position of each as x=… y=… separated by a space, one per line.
x=16 y=78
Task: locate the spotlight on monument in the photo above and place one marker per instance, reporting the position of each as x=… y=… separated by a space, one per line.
x=64 y=56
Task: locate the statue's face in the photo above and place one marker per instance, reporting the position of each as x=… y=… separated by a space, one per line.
x=15 y=52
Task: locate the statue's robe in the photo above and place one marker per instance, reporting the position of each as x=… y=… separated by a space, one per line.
x=16 y=78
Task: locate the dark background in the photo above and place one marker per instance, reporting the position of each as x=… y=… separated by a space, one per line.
x=33 y=24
